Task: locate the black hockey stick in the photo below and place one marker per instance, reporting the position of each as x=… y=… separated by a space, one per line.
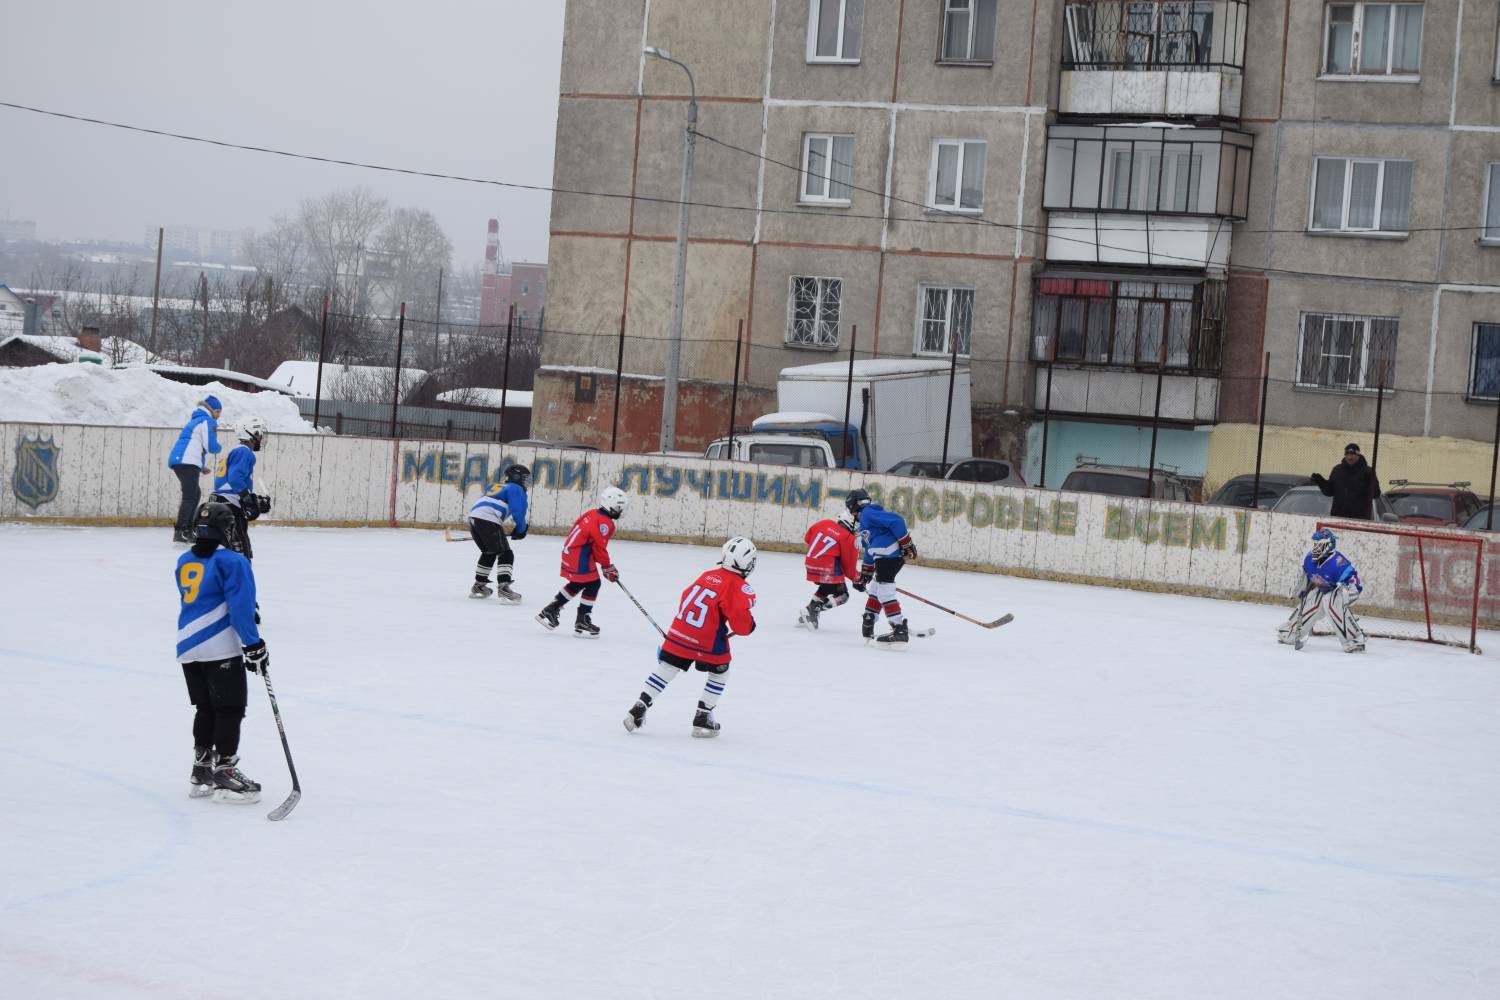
x=281 y=811
x=1004 y=619
x=641 y=609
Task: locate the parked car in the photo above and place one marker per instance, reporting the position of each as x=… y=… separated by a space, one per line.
x=1429 y=503
x=1236 y=492
x=775 y=449
x=1126 y=481
x=961 y=468
x=1476 y=521
x=1310 y=500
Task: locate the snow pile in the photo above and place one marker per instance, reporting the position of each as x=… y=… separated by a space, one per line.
x=479 y=396
x=130 y=397
x=350 y=383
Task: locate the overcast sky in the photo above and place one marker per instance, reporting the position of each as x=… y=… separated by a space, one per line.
x=459 y=86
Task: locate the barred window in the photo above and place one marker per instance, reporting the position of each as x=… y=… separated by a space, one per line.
x=1352 y=353
x=813 y=312
x=945 y=320
x=1484 y=362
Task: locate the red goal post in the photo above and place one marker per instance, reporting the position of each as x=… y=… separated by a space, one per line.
x=1419 y=584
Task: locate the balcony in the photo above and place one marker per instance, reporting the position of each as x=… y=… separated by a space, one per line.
x=1162 y=58
x=1145 y=196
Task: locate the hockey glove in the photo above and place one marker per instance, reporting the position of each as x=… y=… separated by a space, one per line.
x=516 y=536
x=610 y=573
x=257 y=657
x=909 y=550
x=866 y=574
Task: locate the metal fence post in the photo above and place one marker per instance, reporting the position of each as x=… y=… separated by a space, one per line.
x=1379 y=406
x=396 y=388
x=848 y=399
x=322 y=344
x=510 y=322
x=1489 y=517
x=948 y=418
x=1161 y=365
x=1260 y=436
x=734 y=393
x=1047 y=411
x=614 y=424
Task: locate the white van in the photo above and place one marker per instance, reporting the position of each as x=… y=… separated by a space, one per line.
x=775 y=449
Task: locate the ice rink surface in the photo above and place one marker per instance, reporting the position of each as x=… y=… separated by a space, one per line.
x=1119 y=795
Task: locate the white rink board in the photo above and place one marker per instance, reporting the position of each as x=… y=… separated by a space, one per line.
x=119 y=475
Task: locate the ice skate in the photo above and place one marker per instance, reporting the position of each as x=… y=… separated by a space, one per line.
x=1354 y=647
x=202 y=778
x=480 y=590
x=704 y=726
x=808 y=616
x=637 y=716
x=506 y=594
x=896 y=638
x=584 y=627
x=547 y=617
x=231 y=784
x=867 y=625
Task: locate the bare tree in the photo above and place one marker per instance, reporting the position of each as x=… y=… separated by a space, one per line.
x=338 y=231
x=417 y=248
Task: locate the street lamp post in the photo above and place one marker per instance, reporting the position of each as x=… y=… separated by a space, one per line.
x=679 y=282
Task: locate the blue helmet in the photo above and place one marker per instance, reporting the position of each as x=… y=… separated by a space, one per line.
x=1323 y=543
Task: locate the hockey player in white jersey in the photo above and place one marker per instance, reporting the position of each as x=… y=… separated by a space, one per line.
x=1326 y=585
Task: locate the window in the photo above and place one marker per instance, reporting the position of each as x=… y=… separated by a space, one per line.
x=1132 y=324
x=1131 y=169
x=945 y=320
x=1491 y=231
x=525 y=288
x=827 y=168
x=957 y=181
x=968 y=31
x=1153 y=34
x=1484 y=363
x=833 y=28
x=1360 y=196
x=1138 y=182
x=1372 y=39
x=813 y=312
x=1346 y=352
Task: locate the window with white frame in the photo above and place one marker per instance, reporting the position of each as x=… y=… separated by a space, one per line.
x=1360 y=196
x=957 y=180
x=1345 y=352
x=1372 y=39
x=1165 y=178
x=827 y=168
x=1484 y=362
x=968 y=31
x=812 y=312
x=945 y=320
x=833 y=28
x=1491 y=231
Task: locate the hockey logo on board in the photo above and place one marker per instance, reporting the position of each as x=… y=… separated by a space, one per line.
x=35 y=479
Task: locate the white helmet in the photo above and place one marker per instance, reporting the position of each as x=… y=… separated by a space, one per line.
x=252 y=431
x=738 y=555
x=849 y=522
x=612 y=500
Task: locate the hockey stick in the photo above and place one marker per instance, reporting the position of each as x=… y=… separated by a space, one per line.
x=449 y=536
x=641 y=609
x=1002 y=620
x=281 y=811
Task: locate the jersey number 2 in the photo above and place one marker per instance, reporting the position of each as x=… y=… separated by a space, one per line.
x=694 y=608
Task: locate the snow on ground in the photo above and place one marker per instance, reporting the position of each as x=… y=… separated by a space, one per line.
x=1118 y=795
x=130 y=397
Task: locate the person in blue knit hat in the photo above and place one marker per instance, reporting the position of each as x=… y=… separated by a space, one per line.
x=190 y=458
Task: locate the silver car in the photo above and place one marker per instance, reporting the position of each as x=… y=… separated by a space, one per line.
x=961 y=468
x=1311 y=501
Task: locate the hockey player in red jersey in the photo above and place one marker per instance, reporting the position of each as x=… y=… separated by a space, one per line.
x=716 y=606
x=832 y=557
x=585 y=558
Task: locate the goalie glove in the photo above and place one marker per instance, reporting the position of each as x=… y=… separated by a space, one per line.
x=1300 y=586
x=610 y=573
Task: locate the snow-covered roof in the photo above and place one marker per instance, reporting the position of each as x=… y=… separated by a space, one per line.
x=68 y=349
x=873 y=368
x=487 y=397
x=340 y=381
x=61 y=348
x=795 y=418
x=221 y=374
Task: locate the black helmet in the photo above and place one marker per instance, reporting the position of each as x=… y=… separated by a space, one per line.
x=856 y=501
x=518 y=474
x=214 y=521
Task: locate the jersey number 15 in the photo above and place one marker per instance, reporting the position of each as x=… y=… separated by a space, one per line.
x=694 y=608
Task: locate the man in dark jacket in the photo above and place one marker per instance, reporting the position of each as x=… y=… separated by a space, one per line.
x=1353 y=486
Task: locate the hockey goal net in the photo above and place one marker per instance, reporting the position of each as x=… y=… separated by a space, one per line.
x=1419 y=584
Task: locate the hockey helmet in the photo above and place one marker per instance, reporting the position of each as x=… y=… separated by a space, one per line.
x=252 y=432
x=518 y=474
x=1323 y=543
x=849 y=522
x=857 y=500
x=613 y=500
x=738 y=555
x=215 y=521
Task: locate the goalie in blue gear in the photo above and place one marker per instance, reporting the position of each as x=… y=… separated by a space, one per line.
x=1326 y=584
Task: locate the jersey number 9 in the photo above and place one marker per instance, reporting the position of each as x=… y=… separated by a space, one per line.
x=189 y=579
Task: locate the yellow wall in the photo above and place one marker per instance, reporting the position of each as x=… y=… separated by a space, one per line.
x=1231 y=452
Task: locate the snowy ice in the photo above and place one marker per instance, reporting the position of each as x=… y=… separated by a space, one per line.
x=1118 y=795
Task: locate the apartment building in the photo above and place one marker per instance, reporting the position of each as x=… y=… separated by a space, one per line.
x=1100 y=203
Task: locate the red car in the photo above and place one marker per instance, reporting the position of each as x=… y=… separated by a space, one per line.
x=1427 y=503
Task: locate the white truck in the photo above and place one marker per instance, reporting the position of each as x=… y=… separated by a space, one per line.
x=898 y=409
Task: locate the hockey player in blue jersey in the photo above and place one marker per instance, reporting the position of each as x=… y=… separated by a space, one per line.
x=501 y=510
x=1326 y=584
x=887 y=547
x=235 y=487
x=217 y=641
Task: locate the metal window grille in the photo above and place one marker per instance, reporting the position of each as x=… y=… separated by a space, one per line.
x=1348 y=353
x=1154 y=34
x=813 y=312
x=1129 y=324
x=946 y=316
